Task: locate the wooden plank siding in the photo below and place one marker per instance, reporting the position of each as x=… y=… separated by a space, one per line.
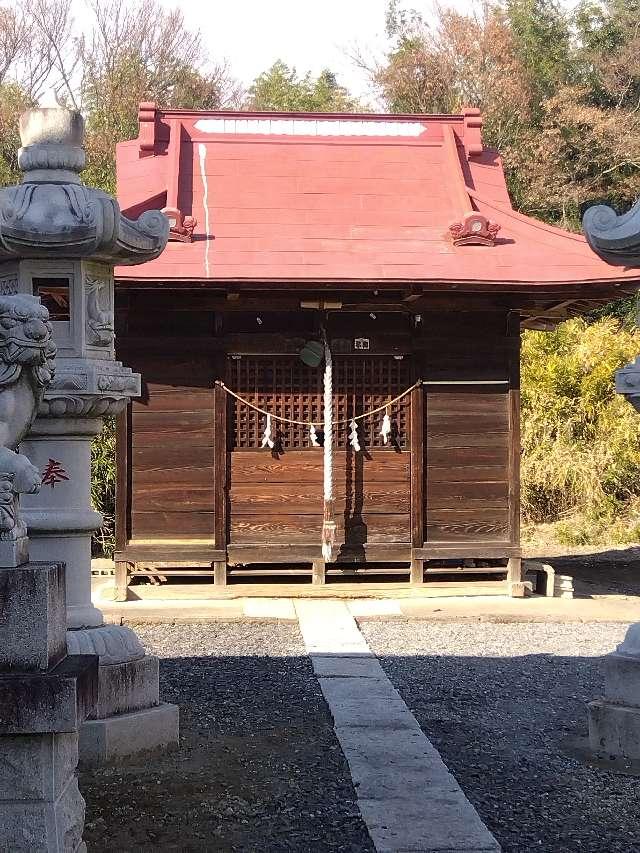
x=471 y=432
x=274 y=501
x=172 y=448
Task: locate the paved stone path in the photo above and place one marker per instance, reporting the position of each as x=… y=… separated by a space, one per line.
x=408 y=799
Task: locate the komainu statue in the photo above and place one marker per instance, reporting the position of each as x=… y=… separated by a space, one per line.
x=27 y=355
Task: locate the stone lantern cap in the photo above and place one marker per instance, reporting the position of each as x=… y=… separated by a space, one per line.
x=52 y=214
x=615 y=238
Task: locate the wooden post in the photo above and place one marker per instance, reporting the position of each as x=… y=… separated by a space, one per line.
x=220 y=572
x=220 y=481
x=514 y=566
x=123 y=478
x=318 y=574
x=417 y=481
x=514 y=578
x=121 y=579
x=513 y=326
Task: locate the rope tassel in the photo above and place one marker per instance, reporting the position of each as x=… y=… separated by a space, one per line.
x=385 y=431
x=267 y=441
x=353 y=436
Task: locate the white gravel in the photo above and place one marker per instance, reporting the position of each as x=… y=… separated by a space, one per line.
x=498 y=701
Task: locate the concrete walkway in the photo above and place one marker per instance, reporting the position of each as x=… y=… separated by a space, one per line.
x=408 y=799
x=610 y=608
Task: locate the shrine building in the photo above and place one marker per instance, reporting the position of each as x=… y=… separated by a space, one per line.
x=372 y=261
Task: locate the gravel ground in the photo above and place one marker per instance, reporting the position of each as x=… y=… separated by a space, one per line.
x=259 y=768
x=498 y=701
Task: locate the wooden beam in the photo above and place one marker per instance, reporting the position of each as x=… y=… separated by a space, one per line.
x=220 y=467
x=417 y=467
x=513 y=330
x=123 y=478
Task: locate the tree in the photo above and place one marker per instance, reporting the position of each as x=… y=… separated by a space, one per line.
x=282 y=89
x=541 y=36
x=459 y=60
x=561 y=109
x=137 y=53
x=585 y=146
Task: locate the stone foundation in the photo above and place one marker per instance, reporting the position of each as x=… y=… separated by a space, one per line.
x=116 y=737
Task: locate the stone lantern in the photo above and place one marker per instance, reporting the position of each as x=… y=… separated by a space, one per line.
x=59 y=240
x=614 y=720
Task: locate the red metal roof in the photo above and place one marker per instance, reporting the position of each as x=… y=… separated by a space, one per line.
x=338 y=198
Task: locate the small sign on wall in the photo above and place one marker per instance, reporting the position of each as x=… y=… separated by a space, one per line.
x=361 y=343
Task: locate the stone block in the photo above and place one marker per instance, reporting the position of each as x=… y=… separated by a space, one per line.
x=125 y=687
x=444 y=822
x=563 y=587
x=622 y=680
x=111 y=740
x=345 y=666
x=14 y=552
x=36 y=767
x=519 y=589
x=45 y=826
x=56 y=701
x=32 y=617
x=614 y=730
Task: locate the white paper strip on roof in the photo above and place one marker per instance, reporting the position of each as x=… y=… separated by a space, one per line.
x=310 y=127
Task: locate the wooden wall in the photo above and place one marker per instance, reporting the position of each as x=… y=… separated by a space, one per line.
x=454 y=486
x=171 y=445
x=466 y=439
x=471 y=432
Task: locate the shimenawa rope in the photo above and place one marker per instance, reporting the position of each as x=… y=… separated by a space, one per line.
x=328 y=536
x=273 y=417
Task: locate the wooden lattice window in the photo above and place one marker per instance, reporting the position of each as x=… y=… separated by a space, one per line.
x=361 y=384
x=284 y=386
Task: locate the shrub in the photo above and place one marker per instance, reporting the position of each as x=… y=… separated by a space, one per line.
x=580 y=440
x=103 y=488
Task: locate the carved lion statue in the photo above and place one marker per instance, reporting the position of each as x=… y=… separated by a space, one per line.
x=27 y=354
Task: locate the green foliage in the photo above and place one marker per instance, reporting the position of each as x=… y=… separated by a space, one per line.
x=13 y=101
x=103 y=487
x=282 y=89
x=580 y=440
x=541 y=36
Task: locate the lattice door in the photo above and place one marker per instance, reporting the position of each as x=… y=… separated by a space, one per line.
x=361 y=384
x=284 y=386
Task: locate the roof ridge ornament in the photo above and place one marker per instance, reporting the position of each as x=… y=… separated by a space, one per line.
x=52 y=214
x=474 y=230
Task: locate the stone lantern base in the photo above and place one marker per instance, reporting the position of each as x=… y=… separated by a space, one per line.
x=128 y=718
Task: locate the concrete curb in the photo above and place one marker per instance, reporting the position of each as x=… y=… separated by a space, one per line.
x=488 y=609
